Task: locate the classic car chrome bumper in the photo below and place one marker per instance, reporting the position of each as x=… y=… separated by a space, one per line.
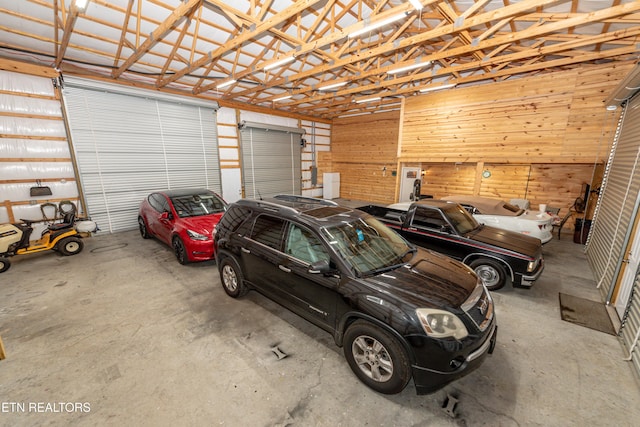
x=527 y=281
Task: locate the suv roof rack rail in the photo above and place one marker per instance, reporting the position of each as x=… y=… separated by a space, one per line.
x=268 y=205
x=304 y=199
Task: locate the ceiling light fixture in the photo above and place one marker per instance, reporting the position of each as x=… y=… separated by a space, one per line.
x=376 y=25
x=225 y=84
x=363 y=100
x=282 y=98
x=429 y=89
x=409 y=67
x=332 y=86
x=416 y=4
x=280 y=62
x=81 y=5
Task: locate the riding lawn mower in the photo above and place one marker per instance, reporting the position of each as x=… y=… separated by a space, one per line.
x=64 y=237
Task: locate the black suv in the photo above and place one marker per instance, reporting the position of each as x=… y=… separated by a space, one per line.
x=398 y=311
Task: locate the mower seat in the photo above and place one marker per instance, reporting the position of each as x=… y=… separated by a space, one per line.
x=67 y=221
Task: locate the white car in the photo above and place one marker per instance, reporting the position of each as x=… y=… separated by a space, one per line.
x=500 y=214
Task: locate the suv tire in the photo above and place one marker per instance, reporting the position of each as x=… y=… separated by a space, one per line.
x=376 y=357
x=232 y=278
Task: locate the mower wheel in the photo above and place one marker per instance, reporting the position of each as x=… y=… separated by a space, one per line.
x=4 y=264
x=70 y=245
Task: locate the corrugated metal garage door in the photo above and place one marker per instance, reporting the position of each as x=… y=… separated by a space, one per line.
x=615 y=207
x=131 y=142
x=614 y=219
x=271 y=160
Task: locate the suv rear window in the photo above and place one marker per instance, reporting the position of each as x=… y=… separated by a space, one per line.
x=268 y=231
x=232 y=219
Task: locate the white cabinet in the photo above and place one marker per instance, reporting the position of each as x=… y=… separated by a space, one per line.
x=331 y=185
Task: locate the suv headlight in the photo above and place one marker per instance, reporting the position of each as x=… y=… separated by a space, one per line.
x=441 y=324
x=196 y=236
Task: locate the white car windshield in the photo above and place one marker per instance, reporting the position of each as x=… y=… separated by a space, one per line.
x=368 y=246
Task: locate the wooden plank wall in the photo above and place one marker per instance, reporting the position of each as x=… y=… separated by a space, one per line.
x=551 y=118
x=541 y=138
x=364 y=152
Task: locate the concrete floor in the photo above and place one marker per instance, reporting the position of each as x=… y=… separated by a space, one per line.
x=121 y=334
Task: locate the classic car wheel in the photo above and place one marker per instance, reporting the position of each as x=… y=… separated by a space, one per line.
x=376 y=358
x=70 y=246
x=142 y=226
x=180 y=251
x=231 y=278
x=490 y=272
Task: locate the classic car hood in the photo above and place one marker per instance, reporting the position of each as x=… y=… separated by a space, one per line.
x=429 y=280
x=202 y=224
x=506 y=239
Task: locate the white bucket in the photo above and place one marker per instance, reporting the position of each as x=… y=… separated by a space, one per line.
x=86 y=226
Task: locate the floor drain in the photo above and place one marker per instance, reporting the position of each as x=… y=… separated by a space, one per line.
x=279 y=354
x=449 y=405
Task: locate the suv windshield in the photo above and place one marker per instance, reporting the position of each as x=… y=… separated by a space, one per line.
x=368 y=245
x=461 y=220
x=197 y=205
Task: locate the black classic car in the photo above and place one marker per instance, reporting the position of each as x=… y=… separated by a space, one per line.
x=398 y=311
x=496 y=255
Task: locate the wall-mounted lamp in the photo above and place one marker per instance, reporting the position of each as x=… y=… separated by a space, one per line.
x=409 y=67
x=225 y=84
x=429 y=89
x=376 y=25
x=280 y=62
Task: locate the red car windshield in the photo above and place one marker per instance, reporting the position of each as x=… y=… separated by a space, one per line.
x=197 y=205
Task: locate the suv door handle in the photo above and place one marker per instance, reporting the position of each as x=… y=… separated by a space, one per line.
x=245 y=250
x=283 y=268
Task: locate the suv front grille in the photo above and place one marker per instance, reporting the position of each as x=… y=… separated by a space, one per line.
x=479 y=311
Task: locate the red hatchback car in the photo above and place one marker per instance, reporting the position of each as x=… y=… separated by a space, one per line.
x=183 y=219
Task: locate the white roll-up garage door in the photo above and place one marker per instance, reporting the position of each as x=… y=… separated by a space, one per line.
x=271 y=160
x=129 y=142
x=608 y=247
x=615 y=209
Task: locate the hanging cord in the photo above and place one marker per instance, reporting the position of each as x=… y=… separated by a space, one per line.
x=43 y=208
x=593 y=175
x=526 y=189
x=66 y=206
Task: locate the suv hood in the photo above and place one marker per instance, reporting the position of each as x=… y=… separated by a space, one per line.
x=429 y=280
x=506 y=239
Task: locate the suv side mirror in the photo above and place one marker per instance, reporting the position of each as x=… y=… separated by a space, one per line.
x=320 y=267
